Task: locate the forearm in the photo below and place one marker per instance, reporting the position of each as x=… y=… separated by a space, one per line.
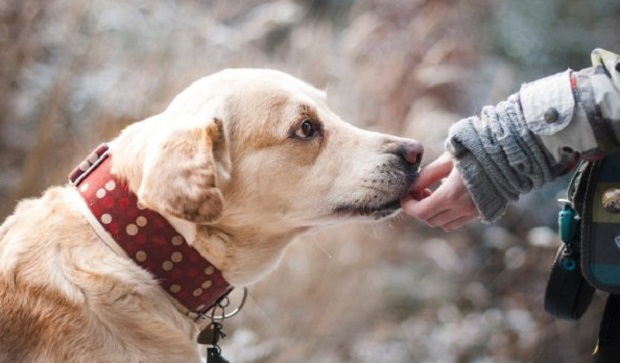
x=499 y=158
x=538 y=134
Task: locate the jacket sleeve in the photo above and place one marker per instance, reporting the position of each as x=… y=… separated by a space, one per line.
x=538 y=133
x=577 y=112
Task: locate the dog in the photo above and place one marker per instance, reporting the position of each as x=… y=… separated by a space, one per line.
x=239 y=164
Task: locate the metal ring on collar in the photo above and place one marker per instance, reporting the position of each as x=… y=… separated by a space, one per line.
x=234 y=312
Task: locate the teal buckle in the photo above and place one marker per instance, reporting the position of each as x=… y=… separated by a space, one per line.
x=567 y=221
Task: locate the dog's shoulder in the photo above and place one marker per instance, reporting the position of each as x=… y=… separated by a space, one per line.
x=64 y=294
x=40 y=223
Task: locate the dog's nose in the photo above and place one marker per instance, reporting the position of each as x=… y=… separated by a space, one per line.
x=411 y=151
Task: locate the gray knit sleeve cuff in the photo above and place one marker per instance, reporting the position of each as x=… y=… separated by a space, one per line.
x=489 y=201
x=498 y=157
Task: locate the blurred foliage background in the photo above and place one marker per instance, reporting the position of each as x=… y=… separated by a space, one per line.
x=73 y=73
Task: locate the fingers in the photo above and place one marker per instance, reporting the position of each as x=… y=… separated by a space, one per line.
x=449 y=207
x=420 y=208
x=433 y=172
x=425 y=209
x=458 y=223
x=443 y=218
x=416 y=195
x=446 y=219
x=450 y=220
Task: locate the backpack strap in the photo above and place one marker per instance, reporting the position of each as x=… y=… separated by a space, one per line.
x=568 y=294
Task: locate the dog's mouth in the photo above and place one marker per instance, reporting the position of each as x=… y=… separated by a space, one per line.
x=386 y=197
x=375 y=211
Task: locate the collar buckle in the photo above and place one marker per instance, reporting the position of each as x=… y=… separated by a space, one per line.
x=89 y=164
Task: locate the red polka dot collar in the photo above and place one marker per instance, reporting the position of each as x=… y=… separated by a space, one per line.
x=146 y=237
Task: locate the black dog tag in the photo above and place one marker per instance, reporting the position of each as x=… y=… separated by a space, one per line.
x=211 y=334
x=214 y=355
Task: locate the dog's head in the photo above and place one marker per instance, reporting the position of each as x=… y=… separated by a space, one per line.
x=258 y=154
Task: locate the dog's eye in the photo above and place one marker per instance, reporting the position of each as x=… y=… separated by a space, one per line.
x=306 y=130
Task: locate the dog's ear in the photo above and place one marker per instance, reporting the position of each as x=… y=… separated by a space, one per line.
x=181 y=172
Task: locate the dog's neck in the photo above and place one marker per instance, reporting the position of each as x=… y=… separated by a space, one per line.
x=145 y=236
x=244 y=254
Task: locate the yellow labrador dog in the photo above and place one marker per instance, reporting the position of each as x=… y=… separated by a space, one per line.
x=166 y=218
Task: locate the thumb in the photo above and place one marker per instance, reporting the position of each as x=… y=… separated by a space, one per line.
x=433 y=172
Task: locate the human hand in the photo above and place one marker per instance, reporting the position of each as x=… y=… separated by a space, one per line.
x=450 y=206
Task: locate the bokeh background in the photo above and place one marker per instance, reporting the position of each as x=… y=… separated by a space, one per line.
x=73 y=73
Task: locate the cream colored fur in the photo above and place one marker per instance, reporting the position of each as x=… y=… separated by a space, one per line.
x=228 y=164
